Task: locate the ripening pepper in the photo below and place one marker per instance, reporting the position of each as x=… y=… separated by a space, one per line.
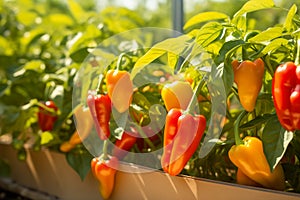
x=177 y=94
x=47 y=119
x=182 y=135
x=286 y=95
x=123 y=145
x=248 y=76
x=100 y=108
x=249 y=157
x=119 y=89
x=104 y=170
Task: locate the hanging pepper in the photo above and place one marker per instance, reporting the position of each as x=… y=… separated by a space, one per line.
x=104 y=170
x=286 y=95
x=248 y=76
x=47 y=119
x=182 y=135
x=100 y=108
x=248 y=155
x=119 y=89
x=123 y=145
x=177 y=95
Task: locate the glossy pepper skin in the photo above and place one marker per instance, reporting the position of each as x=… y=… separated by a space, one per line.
x=249 y=157
x=104 y=170
x=286 y=95
x=177 y=94
x=182 y=135
x=46 y=119
x=119 y=89
x=248 y=76
x=123 y=145
x=100 y=108
x=242 y=179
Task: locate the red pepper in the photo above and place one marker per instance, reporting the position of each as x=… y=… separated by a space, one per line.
x=100 y=108
x=104 y=170
x=286 y=95
x=47 y=119
x=123 y=145
x=182 y=135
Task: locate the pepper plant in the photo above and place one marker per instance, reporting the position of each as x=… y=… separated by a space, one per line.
x=234 y=74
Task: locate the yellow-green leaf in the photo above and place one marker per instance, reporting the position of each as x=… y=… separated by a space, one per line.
x=275 y=44
x=267 y=35
x=254 y=5
x=203 y=17
x=173 y=45
x=46 y=137
x=288 y=24
x=172 y=59
x=76 y=10
x=209 y=33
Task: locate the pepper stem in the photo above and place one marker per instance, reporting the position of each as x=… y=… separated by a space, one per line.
x=297 y=60
x=100 y=79
x=119 y=62
x=105 y=144
x=194 y=98
x=237 y=138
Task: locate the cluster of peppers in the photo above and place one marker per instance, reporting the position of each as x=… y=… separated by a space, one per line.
x=252 y=170
x=119 y=94
x=183 y=128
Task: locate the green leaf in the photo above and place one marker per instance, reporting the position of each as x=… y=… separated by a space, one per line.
x=288 y=24
x=80 y=162
x=240 y=22
x=203 y=17
x=57 y=95
x=224 y=72
x=209 y=33
x=172 y=60
x=59 y=19
x=228 y=47
x=256 y=122
x=274 y=45
x=4 y=168
x=275 y=141
x=267 y=35
x=35 y=65
x=173 y=45
x=27 y=17
x=46 y=137
x=254 y=5
x=76 y=10
x=5 y=47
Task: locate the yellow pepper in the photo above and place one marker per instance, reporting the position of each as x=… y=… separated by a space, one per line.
x=177 y=95
x=249 y=157
x=248 y=76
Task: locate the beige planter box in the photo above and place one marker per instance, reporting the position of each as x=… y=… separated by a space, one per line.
x=49 y=172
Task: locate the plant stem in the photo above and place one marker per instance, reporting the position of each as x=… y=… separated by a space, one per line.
x=237 y=138
x=193 y=101
x=141 y=132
